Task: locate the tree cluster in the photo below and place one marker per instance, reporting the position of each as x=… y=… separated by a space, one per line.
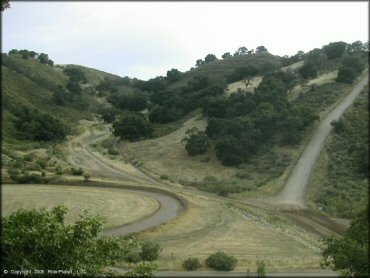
x=241 y=124
x=197 y=142
x=42 y=57
x=132 y=126
x=36 y=126
x=171 y=104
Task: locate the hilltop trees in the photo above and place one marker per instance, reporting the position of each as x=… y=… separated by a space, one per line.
x=226 y=55
x=335 y=49
x=241 y=51
x=44 y=59
x=261 y=49
x=241 y=124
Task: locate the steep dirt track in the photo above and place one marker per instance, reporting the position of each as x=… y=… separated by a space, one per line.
x=294 y=192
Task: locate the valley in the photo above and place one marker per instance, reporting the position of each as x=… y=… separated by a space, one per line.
x=152 y=189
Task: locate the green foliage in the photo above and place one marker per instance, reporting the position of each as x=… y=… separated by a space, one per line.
x=44 y=59
x=197 y=142
x=335 y=49
x=109 y=114
x=77 y=172
x=349 y=255
x=344 y=191
x=5 y=5
x=40 y=239
x=128 y=101
x=191 y=264
x=221 y=261
x=346 y=75
x=243 y=72
x=132 y=126
x=261 y=268
x=261 y=49
x=87 y=177
x=112 y=151
x=37 y=126
x=241 y=124
x=351 y=67
x=150 y=251
x=75 y=74
x=308 y=70
x=143 y=269
x=174 y=75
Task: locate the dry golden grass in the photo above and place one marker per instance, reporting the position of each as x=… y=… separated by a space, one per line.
x=163 y=155
x=119 y=207
x=320 y=80
x=233 y=87
x=210 y=225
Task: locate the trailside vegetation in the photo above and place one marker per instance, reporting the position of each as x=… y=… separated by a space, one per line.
x=349 y=255
x=40 y=239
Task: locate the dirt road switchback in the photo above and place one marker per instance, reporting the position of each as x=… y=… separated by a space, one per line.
x=293 y=194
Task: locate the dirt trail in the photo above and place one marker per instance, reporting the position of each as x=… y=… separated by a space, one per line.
x=294 y=193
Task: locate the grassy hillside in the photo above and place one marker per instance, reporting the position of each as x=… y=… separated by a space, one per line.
x=28 y=83
x=340 y=184
x=93 y=76
x=224 y=67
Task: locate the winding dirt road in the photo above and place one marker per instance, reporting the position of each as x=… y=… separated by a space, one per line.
x=294 y=192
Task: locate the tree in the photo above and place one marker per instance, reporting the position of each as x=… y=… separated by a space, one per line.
x=210 y=58
x=150 y=251
x=75 y=74
x=349 y=255
x=132 y=126
x=197 y=142
x=199 y=62
x=241 y=51
x=346 y=75
x=261 y=49
x=5 y=5
x=226 y=55
x=335 y=49
x=173 y=75
x=43 y=58
x=40 y=239
x=308 y=70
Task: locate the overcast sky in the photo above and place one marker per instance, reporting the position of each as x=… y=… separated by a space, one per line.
x=145 y=39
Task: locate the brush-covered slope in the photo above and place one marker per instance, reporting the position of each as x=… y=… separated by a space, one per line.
x=27 y=83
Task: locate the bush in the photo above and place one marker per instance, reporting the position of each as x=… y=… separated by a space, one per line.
x=87 y=177
x=77 y=172
x=113 y=151
x=221 y=261
x=197 y=142
x=191 y=264
x=150 y=251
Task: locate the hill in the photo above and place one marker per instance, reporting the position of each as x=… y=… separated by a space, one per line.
x=29 y=84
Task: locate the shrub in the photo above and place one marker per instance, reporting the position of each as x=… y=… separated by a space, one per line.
x=143 y=269
x=87 y=177
x=112 y=151
x=261 y=268
x=221 y=261
x=150 y=251
x=77 y=172
x=191 y=264
x=164 y=177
